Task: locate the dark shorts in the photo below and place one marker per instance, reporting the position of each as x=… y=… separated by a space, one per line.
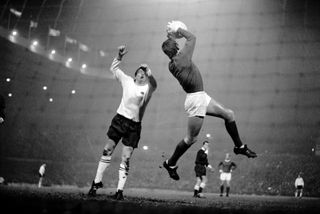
x=41 y=176
x=200 y=170
x=128 y=130
x=299 y=187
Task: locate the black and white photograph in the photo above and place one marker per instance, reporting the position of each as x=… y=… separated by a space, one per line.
x=159 y=106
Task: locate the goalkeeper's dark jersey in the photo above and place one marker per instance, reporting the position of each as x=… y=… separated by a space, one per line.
x=187 y=74
x=182 y=67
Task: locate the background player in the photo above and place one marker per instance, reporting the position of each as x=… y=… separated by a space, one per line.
x=126 y=124
x=200 y=169
x=299 y=185
x=225 y=169
x=198 y=103
x=42 y=171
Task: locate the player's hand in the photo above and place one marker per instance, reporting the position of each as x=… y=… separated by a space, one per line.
x=171 y=30
x=1 y=120
x=172 y=27
x=220 y=171
x=122 y=50
x=148 y=70
x=171 y=36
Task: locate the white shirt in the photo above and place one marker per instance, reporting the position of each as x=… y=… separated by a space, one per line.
x=134 y=97
x=299 y=182
x=42 y=169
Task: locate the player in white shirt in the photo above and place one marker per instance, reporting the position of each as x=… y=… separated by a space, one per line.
x=42 y=171
x=299 y=184
x=126 y=124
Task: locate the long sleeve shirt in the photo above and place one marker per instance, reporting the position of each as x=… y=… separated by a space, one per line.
x=299 y=182
x=182 y=67
x=134 y=97
x=227 y=166
x=202 y=158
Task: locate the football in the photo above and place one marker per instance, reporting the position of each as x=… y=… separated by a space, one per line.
x=173 y=26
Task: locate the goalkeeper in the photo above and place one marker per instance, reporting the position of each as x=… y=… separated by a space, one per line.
x=198 y=103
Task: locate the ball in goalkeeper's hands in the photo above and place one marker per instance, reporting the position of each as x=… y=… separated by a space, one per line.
x=173 y=26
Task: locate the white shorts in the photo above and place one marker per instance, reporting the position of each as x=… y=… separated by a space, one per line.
x=225 y=176
x=196 y=104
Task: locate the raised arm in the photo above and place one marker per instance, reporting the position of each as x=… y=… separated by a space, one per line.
x=152 y=80
x=174 y=31
x=233 y=166
x=152 y=87
x=114 y=68
x=190 y=43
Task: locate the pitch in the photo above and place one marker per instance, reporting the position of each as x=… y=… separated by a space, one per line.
x=58 y=199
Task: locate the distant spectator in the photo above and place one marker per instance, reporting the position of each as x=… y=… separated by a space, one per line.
x=225 y=169
x=42 y=171
x=2 y=181
x=2 y=107
x=299 y=185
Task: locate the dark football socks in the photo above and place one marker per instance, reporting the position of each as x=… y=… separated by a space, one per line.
x=200 y=189
x=227 y=190
x=233 y=132
x=221 y=189
x=181 y=148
